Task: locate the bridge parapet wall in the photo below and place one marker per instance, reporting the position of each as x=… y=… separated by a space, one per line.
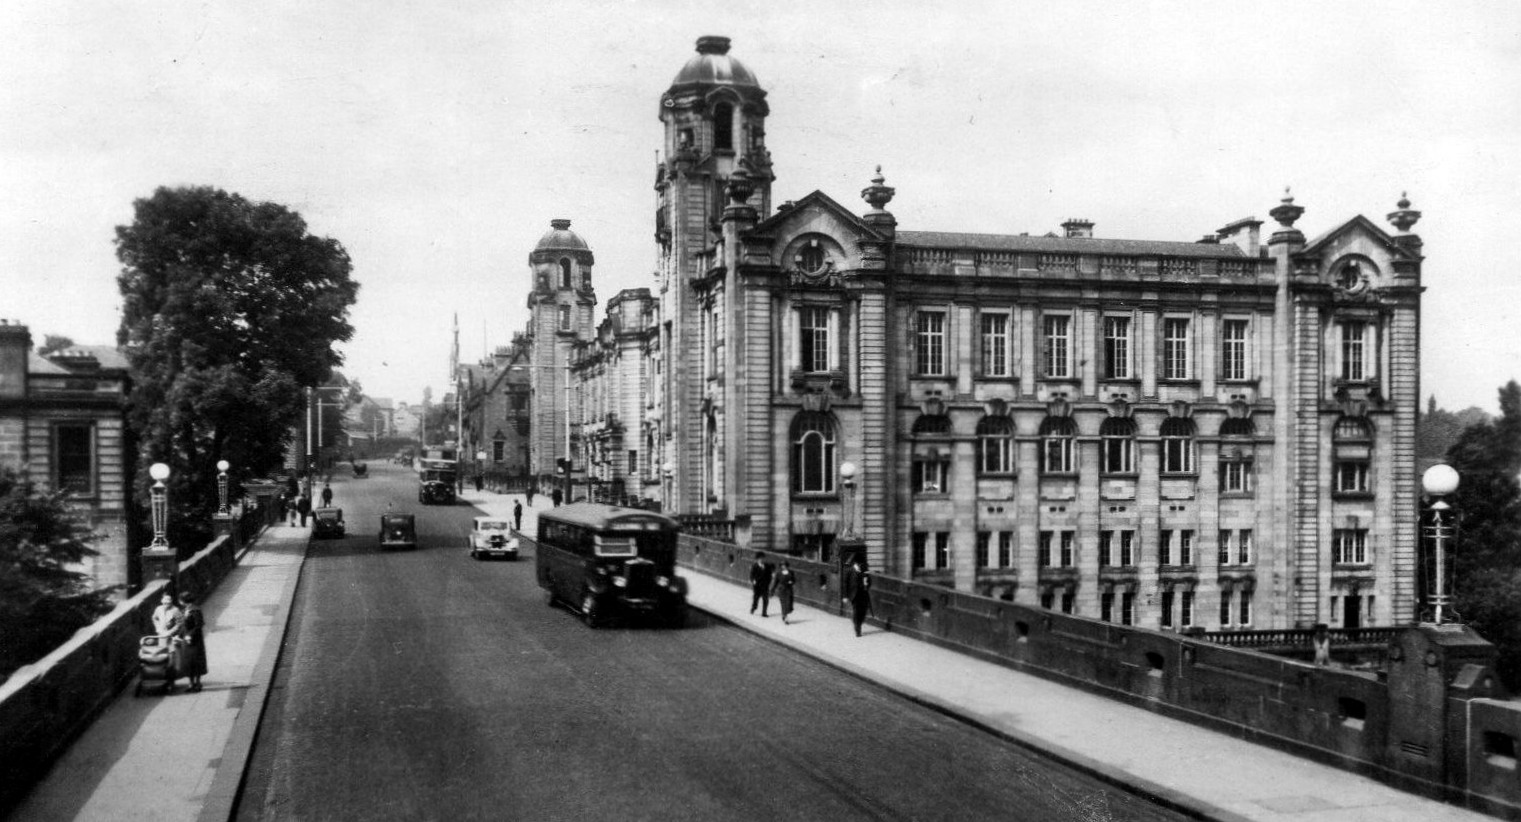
x=1356 y=720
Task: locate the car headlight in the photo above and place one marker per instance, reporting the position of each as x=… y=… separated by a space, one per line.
x=621 y=582
x=662 y=581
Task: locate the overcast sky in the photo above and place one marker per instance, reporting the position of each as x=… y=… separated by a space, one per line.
x=437 y=140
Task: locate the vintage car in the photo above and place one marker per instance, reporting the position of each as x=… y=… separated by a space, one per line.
x=327 y=522
x=436 y=489
x=398 y=531
x=361 y=470
x=493 y=537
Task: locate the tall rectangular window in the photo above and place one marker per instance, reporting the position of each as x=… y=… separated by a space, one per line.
x=995 y=345
x=1225 y=609
x=74 y=458
x=1244 y=613
x=1058 y=348
x=1349 y=546
x=1225 y=547
x=1244 y=547
x=916 y=559
x=1355 y=362
x=1106 y=606
x=1166 y=615
x=1117 y=348
x=929 y=343
x=1185 y=547
x=633 y=462
x=1106 y=548
x=1005 y=549
x=816 y=343
x=1127 y=547
x=1164 y=548
x=1233 y=351
x=984 y=551
x=1069 y=556
x=498 y=450
x=942 y=549
x=1186 y=610
x=1043 y=551
x=1127 y=608
x=564 y=318
x=1067 y=601
x=1175 y=349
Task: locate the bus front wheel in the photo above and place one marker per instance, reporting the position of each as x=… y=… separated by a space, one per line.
x=589 y=610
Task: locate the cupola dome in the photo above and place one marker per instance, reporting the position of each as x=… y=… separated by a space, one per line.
x=713 y=66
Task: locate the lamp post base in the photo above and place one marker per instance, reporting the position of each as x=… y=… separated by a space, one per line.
x=160 y=563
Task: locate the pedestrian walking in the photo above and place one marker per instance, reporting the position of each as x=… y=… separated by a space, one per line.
x=556 y=496
x=517 y=516
x=327 y=495
x=858 y=593
x=290 y=508
x=529 y=494
x=192 y=642
x=782 y=586
x=304 y=507
x=167 y=621
x=760 y=583
x=480 y=482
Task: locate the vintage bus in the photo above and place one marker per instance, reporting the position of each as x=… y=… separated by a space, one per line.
x=610 y=563
x=437 y=474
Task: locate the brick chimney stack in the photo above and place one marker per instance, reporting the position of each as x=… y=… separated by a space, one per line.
x=15 y=345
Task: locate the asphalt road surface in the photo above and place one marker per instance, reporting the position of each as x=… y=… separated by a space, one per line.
x=426 y=685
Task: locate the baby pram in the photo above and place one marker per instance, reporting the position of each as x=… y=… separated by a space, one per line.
x=155 y=662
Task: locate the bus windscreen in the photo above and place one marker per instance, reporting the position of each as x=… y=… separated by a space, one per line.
x=609 y=546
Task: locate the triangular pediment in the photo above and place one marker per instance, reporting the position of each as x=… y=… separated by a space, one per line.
x=1357 y=235
x=817 y=209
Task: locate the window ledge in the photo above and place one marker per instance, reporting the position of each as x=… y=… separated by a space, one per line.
x=1238 y=494
x=1180 y=381
x=1127 y=475
x=1193 y=475
x=1352 y=495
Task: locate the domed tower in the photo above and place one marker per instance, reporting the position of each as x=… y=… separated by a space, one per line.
x=715 y=116
x=562 y=305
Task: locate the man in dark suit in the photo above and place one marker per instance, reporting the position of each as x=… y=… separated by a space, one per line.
x=760 y=583
x=857 y=591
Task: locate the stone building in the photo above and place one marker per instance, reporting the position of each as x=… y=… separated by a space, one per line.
x=496 y=413
x=609 y=374
x=63 y=424
x=1216 y=433
x=563 y=304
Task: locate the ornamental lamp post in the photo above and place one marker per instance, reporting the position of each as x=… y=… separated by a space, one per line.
x=1439 y=481
x=158 y=558
x=669 y=472
x=222 y=509
x=851 y=546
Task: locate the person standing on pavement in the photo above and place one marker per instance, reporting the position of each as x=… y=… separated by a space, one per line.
x=192 y=642
x=327 y=495
x=760 y=583
x=555 y=497
x=529 y=494
x=304 y=507
x=168 y=619
x=782 y=586
x=517 y=516
x=290 y=508
x=858 y=593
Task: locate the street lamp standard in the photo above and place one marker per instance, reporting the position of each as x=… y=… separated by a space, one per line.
x=669 y=472
x=1439 y=481
x=222 y=466
x=848 y=480
x=160 y=505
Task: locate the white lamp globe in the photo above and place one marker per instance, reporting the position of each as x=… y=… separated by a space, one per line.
x=848 y=470
x=1439 y=480
x=159 y=471
x=669 y=468
x=223 y=465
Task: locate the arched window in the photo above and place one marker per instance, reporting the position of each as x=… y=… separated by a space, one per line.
x=813 y=459
x=1177 y=445
x=1352 y=446
x=995 y=443
x=1238 y=427
x=723 y=126
x=565 y=281
x=1057 y=435
x=1118 y=442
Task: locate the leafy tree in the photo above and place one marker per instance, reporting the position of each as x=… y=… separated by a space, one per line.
x=42 y=601
x=1487 y=559
x=53 y=343
x=230 y=312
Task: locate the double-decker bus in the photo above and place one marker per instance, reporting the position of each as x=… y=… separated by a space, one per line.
x=610 y=562
x=437 y=473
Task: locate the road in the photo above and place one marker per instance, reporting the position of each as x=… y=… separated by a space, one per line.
x=426 y=685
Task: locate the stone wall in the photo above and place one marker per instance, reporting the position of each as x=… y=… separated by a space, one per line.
x=46 y=705
x=1356 y=720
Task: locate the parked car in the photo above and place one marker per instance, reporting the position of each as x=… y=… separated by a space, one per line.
x=493 y=537
x=327 y=522
x=398 y=531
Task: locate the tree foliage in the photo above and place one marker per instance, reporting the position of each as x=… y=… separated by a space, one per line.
x=1487 y=559
x=53 y=343
x=230 y=312
x=42 y=601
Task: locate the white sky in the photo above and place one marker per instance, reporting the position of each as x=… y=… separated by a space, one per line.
x=437 y=140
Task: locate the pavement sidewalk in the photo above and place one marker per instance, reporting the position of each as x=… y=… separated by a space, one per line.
x=1187 y=767
x=179 y=758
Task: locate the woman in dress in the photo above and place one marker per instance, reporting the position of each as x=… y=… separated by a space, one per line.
x=192 y=642
x=782 y=586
